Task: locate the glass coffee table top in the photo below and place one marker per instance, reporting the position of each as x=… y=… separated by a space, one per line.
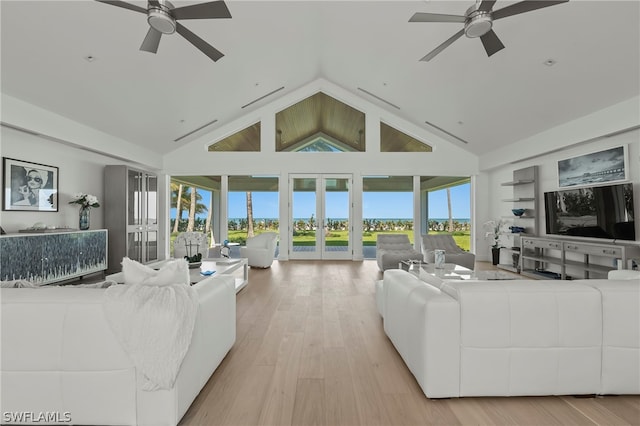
x=451 y=271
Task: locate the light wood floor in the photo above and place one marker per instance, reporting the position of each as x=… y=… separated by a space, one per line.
x=311 y=350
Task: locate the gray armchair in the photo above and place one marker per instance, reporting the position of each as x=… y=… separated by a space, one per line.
x=392 y=248
x=452 y=253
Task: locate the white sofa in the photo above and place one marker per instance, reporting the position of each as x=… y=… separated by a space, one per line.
x=517 y=337
x=59 y=355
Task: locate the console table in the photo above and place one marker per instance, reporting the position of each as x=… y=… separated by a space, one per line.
x=573 y=259
x=53 y=256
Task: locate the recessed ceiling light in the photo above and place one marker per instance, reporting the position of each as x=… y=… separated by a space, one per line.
x=550 y=62
x=89 y=58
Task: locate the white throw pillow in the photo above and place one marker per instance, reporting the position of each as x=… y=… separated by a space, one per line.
x=172 y=272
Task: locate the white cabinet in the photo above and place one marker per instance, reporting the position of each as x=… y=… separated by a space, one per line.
x=131 y=215
x=570 y=259
x=524 y=190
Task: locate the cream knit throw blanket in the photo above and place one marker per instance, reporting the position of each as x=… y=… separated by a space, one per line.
x=154 y=324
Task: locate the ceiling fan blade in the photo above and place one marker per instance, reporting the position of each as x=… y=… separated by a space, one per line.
x=151 y=40
x=211 y=10
x=124 y=5
x=491 y=43
x=436 y=17
x=443 y=46
x=486 y=5
x=524 y=6
x=202 y=45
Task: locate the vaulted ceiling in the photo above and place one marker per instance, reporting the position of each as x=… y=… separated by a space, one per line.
x=366 y=47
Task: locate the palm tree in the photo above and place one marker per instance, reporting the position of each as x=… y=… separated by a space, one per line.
x=249 y=216
x=176 y=198
x=192 y=209
x=207 y=225
x=195 y=206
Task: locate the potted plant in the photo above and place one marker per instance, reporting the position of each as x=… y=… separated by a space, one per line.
x=493 y=231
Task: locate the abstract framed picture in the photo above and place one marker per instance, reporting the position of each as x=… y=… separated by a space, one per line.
x=29 y=186
x=609 y=165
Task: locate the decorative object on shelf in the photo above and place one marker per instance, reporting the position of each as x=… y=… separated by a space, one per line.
x=515 y=258
x=517 y=229
x=609 y=165
x=29 y=186
x=194 y=265
x=494 y=230
x=439 y=258
x=225 y=251
x=86 y=201
x=195 y=260
x=518 y=212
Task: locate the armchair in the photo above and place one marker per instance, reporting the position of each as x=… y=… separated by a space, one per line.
x=260 y=250
x=453 y=253
x=392 y=248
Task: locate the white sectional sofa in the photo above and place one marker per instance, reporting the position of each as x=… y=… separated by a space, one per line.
x=516 y=337
x=59 y=355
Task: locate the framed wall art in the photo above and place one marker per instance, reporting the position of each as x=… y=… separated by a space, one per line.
x=29 y=186
x=599 y=167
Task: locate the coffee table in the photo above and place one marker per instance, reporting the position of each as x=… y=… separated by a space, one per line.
x=238 y=268
x=451 y=271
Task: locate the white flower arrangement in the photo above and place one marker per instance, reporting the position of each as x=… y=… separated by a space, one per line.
x=494 y=230
x=85 y=200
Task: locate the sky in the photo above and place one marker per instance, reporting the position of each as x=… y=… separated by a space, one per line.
x=396 y=205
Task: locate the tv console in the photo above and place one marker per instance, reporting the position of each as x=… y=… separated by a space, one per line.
x=573 y=259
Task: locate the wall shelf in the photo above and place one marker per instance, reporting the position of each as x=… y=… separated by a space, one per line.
x=518 y=182
x=525 y=191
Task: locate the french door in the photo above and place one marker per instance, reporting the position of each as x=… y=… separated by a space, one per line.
x=320 y=216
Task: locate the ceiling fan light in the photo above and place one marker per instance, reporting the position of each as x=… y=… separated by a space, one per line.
x=478 y=25
x=161 y=21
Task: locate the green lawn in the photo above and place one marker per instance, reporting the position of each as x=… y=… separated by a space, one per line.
x=339 y=238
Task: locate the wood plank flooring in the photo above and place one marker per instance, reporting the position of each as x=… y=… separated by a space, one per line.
x=311 y=350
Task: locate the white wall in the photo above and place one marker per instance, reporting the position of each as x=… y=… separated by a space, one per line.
x=447 y=159
x=78 y=171
x=548 y=180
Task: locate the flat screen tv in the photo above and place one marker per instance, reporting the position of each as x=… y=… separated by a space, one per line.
x=596 y=212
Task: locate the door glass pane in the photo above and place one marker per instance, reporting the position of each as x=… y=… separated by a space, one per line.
x=152 y=200
x=336 y=213
x=151 y=246
x=387 y=207
x=304 y=215
x=253 y=208
x=134 y=246
x=134 y=202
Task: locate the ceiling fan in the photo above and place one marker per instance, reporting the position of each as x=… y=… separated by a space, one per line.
x=478 y=22
x=162 y=17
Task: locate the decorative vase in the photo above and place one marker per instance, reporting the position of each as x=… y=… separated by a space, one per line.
x=84 y=221
x=495 y=255
x=439 y=258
